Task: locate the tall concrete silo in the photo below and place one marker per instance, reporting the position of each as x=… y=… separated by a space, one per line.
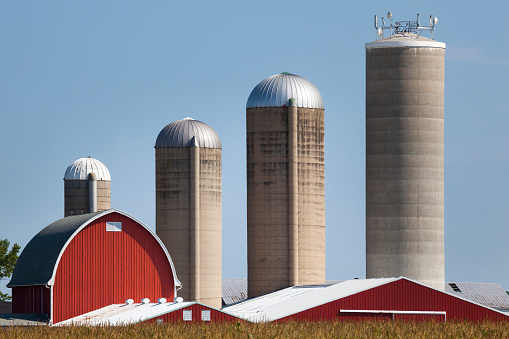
x=405 y=157
x=87 y=187
x=285 y=184
x=188 y=206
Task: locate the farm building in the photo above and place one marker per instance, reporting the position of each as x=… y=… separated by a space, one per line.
x=358 y=299
x=85 y=262
x=163 y=312
x=487 y=294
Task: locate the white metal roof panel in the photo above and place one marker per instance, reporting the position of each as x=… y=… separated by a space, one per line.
x=81 y=168
x=276 y=90
x=295 y=299
x=122 y=314
x=235 y=290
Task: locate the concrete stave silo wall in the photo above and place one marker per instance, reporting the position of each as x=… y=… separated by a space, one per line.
x=405 y=163
x=76 y=196
x=269 y=198
x=175 y=215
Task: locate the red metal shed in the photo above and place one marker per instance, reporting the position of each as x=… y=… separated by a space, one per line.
x=388 y=298
x=122 y=314
x=82 y=263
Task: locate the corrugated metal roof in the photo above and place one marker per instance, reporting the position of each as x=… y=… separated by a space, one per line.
x=487 y=294
x=23 y=319
x=276 y=90
x=38 y=260
x=122 y=314
x=81 y=168
x=188 y=133
x=234 y=290
x=294 y=299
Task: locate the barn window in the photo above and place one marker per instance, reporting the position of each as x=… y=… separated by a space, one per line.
x=205 y=315
x=187 y=315
x=113 y=226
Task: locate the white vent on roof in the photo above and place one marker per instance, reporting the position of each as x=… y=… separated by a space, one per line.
x=161 y=300
x=129 y=301
x=179 y=299
x=145 y=300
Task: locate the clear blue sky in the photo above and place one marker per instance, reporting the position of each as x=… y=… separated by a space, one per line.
x=102 y=78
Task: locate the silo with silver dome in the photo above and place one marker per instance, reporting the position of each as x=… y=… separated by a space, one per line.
x=87 y=187
x=188 y=206
x=285 y=184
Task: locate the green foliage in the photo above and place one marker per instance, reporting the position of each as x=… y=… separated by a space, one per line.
x=8 y=260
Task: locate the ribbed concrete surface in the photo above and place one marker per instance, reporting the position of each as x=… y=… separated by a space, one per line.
x=76 y=196
x=175 y=213
x=268 y=198
x=405 y=164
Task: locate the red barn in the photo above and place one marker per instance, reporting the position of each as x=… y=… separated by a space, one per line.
x=358 y=299
x=82 y=263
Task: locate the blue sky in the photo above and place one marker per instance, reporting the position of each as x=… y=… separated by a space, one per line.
x=102 y=78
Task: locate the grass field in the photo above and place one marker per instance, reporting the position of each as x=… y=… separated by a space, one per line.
x=271 y=330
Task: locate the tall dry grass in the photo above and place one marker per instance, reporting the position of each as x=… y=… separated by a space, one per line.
x=272 y=330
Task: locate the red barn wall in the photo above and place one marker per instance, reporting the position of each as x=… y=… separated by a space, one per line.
x=177 y=316
x=101 y=268
x=401 y=295
x=31 y=299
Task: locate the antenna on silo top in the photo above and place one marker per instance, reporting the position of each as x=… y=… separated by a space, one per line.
x=404 y=27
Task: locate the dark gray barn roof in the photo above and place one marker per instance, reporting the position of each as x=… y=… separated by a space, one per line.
x=38 y=261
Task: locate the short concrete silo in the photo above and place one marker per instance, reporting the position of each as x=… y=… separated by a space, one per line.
x=285 y=184
x=188 y=206
x=87 y=187
x=405 y=158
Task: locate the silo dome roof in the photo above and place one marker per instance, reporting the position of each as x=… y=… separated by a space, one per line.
x=405 y=40
x=81 y=168
x=188 y=133
x=276 y=90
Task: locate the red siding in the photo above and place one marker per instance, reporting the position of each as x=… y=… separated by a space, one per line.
x=347 y=316
x=420 y=317
x=100 y=268
x=177 y=316
x=31 y=299
x=402 y=295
